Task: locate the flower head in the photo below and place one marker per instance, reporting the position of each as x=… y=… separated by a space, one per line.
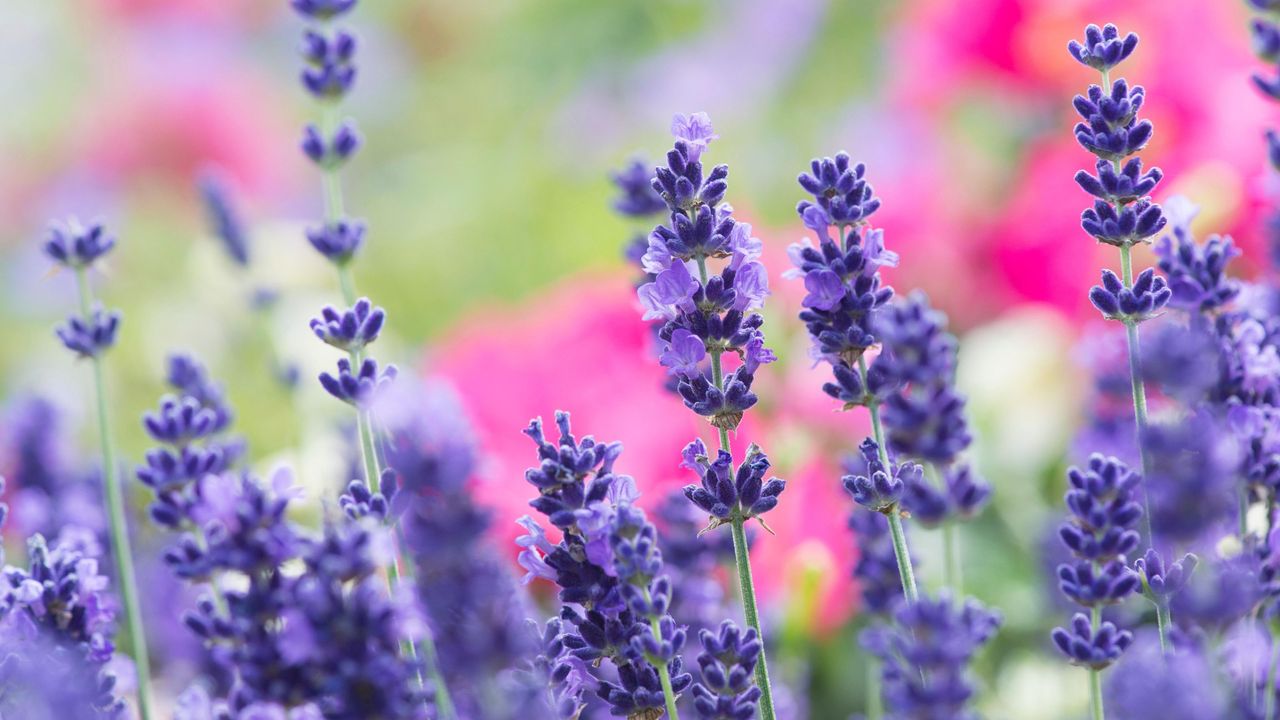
x=74 y=246
x=1103 y=48
x=362 y=387
x=92 y=335
x=352 y=329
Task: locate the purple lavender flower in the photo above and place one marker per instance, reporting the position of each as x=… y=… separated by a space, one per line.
x=636 y=196
x=322 y=9
x=727 y=663
x=1090 y=645
x=1191 y=484
x=338 y=240
x=1161 y=580
x=881 y=488
x=466 y=590
x=330 y=71
x=1143 y=301
x=876 y=570
x=223 y=218
x=1180 y=685
x=74 y=246
x=724 y=494
x=623 y=596
x=1104 y=511
x=361 y=388
x=924 y=656
x=1197 y=272
x=331 y=153
x=716 y=310
x=188 y=428
x=349 y=330
x=1103 y=48
x=91 y=335
x=56 y=628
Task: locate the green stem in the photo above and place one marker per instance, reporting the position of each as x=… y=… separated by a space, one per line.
x=1243 y=511
x=1269 y=699
x=126 y=577
x=900 y=551
x=373 y=476
x=1139 y=394
x=664 y=675
x=1163 y=621
x=1095 y=675
x=953 y=574
x=742 y=558
x=875 y=704
x=330 y=182
x=1095 y=694
x=748 y=589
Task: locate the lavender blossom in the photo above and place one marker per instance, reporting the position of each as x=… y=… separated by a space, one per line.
x=223 y=218
x=924 y=656
x=360 y=388
x=1100 y=531
x=349 y=330
x=466 y=590
x=727 y=662
x=711 y=314
x=56 y=628
x=608 y=566
x=1181 y=685
x=74 y=246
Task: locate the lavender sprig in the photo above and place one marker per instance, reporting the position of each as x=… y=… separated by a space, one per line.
x=329 y=75
x=613 y=591
x=1122 y=215
x=89 y=335
x=1099 y=532
x=924 y=656
x=707 y=318
x=842 y=276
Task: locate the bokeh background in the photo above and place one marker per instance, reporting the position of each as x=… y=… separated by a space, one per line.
x=491 y=129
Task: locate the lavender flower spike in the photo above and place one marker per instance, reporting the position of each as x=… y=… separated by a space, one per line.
x=88 y=334
x=1122 y=215
x=711 y=339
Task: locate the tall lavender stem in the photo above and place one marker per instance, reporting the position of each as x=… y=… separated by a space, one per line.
x=741 y=552
x=900 y=550
x=121 y=549
x=1122 y=215
x=706 y=318
x=330 y=74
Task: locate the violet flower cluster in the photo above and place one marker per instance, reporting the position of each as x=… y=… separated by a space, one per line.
x=1123 y=213
x=57 y=623
x=925 y=653
x=925 y=417
x=467 y=592
x=330 y=72
x=706 y=315
x=91 y=331
x=1099 y=533
x=615 y=597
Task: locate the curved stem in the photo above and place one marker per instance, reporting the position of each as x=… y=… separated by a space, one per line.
x=373 y=476
x=900 y=551
x=126 y=577
x=1095 y=675
x=742 y=558
x=875 y=704
x=953 y=573
x=1163 y=621
x=1095 y=694
x=1269 y=697
x=1139 y=397
x=748 y=589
